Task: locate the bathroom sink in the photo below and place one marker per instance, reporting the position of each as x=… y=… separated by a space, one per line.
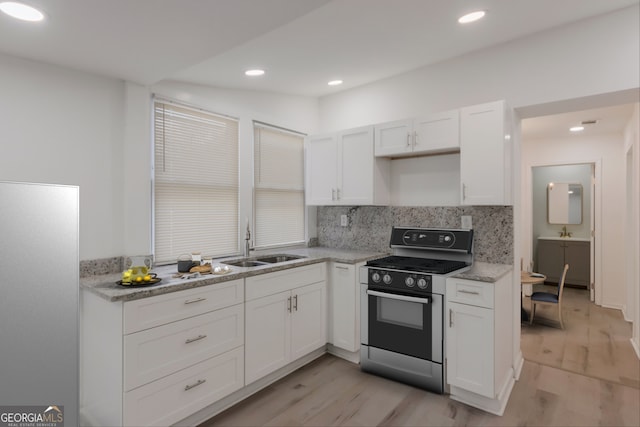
x=274 y=259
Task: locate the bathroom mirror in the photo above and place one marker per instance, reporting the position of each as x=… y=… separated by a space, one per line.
x=564 y=203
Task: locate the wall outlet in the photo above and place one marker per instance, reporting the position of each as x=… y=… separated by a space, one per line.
x=344 y=221
x=466 y=222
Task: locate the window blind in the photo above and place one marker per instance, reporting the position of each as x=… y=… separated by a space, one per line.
x=195 y=182
x=278 y=187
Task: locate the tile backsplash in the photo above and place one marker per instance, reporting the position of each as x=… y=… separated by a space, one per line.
x=369 y=227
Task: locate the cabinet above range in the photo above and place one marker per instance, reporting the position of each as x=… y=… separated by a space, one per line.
x=431 y=134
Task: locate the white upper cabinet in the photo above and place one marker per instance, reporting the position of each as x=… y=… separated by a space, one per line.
x=485 y=155
x=342 y=170
x=431 y=134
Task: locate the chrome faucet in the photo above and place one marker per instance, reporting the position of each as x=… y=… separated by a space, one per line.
x=247 y=245
x=564 y=232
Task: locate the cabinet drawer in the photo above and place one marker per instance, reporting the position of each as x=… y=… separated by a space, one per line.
x=149 y=312
x=177 y=396
x=157 y=352
x=470 y=292
x=285 y=280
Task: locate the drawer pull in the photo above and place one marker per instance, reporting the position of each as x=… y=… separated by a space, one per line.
x=339 y=267
x=289 y=304
x=196 y=384
x=295 y=302
x=191 y=301
x=462 y=291
x=198 y=338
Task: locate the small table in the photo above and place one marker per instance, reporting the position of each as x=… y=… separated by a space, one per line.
x=527 y=279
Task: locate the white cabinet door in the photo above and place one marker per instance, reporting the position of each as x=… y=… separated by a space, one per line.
x=321 y=166
x=437 y=132
x=268 y=335
x=485 y=163
x=308 y=320
x=470 y=348
x=356 y=163
x=345 y=311
x=393 y=138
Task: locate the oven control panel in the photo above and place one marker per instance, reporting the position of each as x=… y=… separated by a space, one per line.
x=400 y=280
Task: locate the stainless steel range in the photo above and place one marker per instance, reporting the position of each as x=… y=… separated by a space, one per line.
x=402 y=304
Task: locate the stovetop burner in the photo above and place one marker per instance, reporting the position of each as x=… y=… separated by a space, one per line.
x=420 y=265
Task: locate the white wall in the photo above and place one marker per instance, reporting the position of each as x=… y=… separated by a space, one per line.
x=66 y=127
x=632 y=224
x=592 y=57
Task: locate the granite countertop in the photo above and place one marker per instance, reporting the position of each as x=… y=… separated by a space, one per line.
x=105 y=285
x=485 y=272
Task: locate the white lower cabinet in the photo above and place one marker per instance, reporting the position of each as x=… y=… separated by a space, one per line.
x=479 y=342
x=156 y=360
x=344 y=306
x=285 y=318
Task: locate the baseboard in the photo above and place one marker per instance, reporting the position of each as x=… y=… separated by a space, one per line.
x=493 y=406
x=636 y=347
x=519 y=363
x=353 y=357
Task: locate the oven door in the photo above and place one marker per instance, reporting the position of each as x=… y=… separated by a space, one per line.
x=405 y=324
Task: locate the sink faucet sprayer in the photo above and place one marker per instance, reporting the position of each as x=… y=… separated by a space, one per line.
x=247 y=239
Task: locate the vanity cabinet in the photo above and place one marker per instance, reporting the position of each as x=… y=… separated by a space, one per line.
x=485 y=155
x=554 y=253
x=344 y=306
x=342 y=170
x=157 y=360
x=479 y=342
x=285 y=318
x=430 y=134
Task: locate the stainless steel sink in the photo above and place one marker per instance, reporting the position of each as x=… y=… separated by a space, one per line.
x=274 y=259
x=262 y=261
x=245 y=263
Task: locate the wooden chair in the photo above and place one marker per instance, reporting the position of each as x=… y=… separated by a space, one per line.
x=548 y=298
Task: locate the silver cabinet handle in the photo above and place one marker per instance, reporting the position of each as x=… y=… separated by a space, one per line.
x=415 y=138
x=195 y=300
x=408 y=139
x=338 y=194
x=462 y=291
x=450 y=318
x=464 y=191
x=196 y=384
x=339 y=267
x=295 y=302
x=289 y=304
x=198 y=338
x=333 y=194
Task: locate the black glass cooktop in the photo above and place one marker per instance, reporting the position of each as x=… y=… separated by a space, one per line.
x=420 y=265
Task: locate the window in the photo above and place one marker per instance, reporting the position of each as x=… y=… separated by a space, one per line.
x=195 y=182
x=278 y=186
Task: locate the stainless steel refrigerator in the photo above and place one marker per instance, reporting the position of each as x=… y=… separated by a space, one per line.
x=39 y=278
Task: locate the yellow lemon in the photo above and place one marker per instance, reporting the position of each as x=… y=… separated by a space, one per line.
x=138 y=279
x=147 y=278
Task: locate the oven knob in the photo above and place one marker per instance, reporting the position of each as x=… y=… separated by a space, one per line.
x=422 y=284
x=409 y=281
x=375 y=277
x=386 y=279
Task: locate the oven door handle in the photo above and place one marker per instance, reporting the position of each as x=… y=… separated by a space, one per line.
x=425 y=300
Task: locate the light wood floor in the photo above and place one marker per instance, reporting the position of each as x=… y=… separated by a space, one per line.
x=595 y=341
x=560 y=385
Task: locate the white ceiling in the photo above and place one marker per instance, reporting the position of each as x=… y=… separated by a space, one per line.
x=302 y=44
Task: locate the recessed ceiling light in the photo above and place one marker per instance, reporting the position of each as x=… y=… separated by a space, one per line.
x=576 y=129
x=253 y=73
x=470 y=17
x=21 y=11
x=335 y=82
